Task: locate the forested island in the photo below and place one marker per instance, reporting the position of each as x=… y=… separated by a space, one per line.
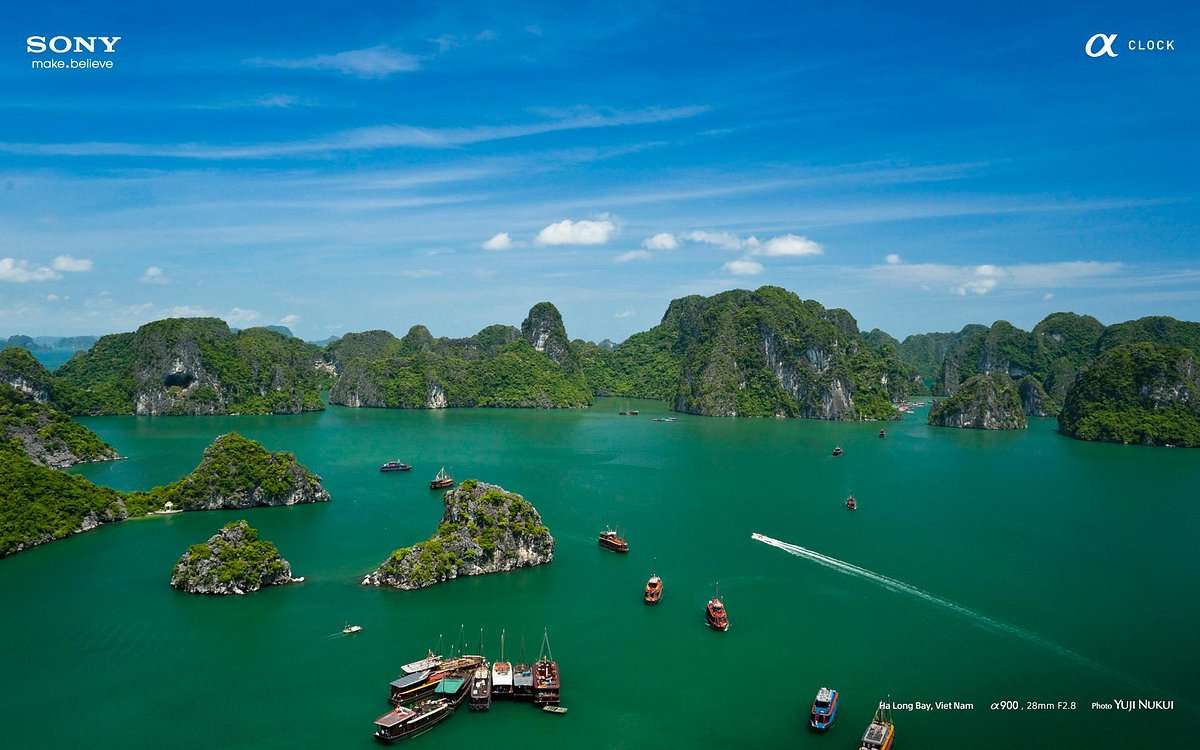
x=234 y=561
x=484 y=529
x=761 y=353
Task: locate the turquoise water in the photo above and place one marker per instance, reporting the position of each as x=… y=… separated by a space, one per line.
x=1054 y=570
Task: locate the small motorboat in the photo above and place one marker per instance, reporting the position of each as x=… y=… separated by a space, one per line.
x=715 y=614
x=351 y=629
x=554 y=709
x=654 y=590
x=882 y=434
x=838 y=451
x=851 y=503
x=634 y=412
x=824 y=709
x=441 y=481
x=609 y=540
x=395 y=466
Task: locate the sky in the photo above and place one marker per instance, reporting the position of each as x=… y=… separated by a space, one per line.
x=333 y=167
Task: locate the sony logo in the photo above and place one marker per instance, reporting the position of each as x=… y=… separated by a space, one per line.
x=61 y=45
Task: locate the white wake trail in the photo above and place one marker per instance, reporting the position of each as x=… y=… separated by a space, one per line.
x=900 y=586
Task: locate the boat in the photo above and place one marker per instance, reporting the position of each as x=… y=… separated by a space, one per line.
x=453 y=689
x=502 y=675
x=851 y=503
x=824 y=709
x=554 y=709
x=837 y=451
x=623 y=413
x=610 y=540
x=351 y=629
x=404 y=688
x=481 y=688
x=654 y=590
x=883 y=433
x=403 y=723
x=634 y=412
x=547 y=685
x=881 y=732
x=395 y=466
x=441 y=481
x=430 y=661
x=522 y=677
x=715 y=614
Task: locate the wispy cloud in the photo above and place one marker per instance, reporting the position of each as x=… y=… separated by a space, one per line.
x=380 y=61
x=498 y=241
x=154 y=275
x=22 y=271
x=72 y=264
x=743 y=267
x=356 y=139
x=661 y=241
x=964 y=280
x=632 y=255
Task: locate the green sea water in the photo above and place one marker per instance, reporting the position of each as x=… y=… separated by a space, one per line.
x=1049 y=570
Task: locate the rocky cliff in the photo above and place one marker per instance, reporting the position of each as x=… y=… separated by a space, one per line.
x=46 y=435
x=21 y=371
x=238 y=473
x=1142 y=393
x=193 y=366
x=232 y=561
x=484 y=529
x=1034 y=400
x=497 y=367
x=984 y=402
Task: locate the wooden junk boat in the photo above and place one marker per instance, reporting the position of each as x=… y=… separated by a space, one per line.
x=481 y=688
x=403 y=722
x=881 y=732
x=654 y=590
x=522 y=678
x=395 y=466
x=502 y=675
x=546 y=683
x=441 y=481
x=715 y=614
x=610 y=540
x=851 y=503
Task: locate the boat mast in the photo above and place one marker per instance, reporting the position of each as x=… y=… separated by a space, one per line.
x=545 y=646
x=501 y=644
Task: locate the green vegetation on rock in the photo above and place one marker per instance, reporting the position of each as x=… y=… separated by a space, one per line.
x=47 y=436
x=984 y=402
x=484 y=529
x=232 y=561
x=1143 y=393
x=192 y=366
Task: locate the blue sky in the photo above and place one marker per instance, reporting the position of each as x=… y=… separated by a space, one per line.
x=339 y=168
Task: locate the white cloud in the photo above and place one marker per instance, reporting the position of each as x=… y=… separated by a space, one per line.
x=789 y=245
x=72 y=265
x=743 y=267
x=21 y=272
x=723 y=240
x=661 y=241
x=893 y=259
x=626 y=313
x=499 y=241
x=986 y=278
x=154 y=275
x=582 y=232
x=373 y=62
x=239 y=315
x=52 y=298
x=290 y=319
x=632 y=255
x=1047 y=296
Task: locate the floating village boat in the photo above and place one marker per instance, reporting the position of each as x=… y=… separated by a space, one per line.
x=851 y=503
x=403 y=723
x=522 y=678
x=547 y=686
x=395 y=466
x=654 y=590
x=824 y=709
x=481 y=688
x=610 y=540
x=837 y=451
x=441 y=481
x=715 y=614
x=881 y=732
x=502 y=675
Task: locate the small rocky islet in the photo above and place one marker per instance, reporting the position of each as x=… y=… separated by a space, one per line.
x=234 y=561
x=484 y=529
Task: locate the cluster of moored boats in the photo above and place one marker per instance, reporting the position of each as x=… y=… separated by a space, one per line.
x=433 y=688
x=714 y=612
x=880 y=733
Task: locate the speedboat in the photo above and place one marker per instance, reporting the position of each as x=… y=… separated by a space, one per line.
x=824 y=709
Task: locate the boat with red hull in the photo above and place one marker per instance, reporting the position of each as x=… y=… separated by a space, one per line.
x=441 y=481
x=610 y=540
x=715 y=614
x=654 y=590
x=547 y=685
